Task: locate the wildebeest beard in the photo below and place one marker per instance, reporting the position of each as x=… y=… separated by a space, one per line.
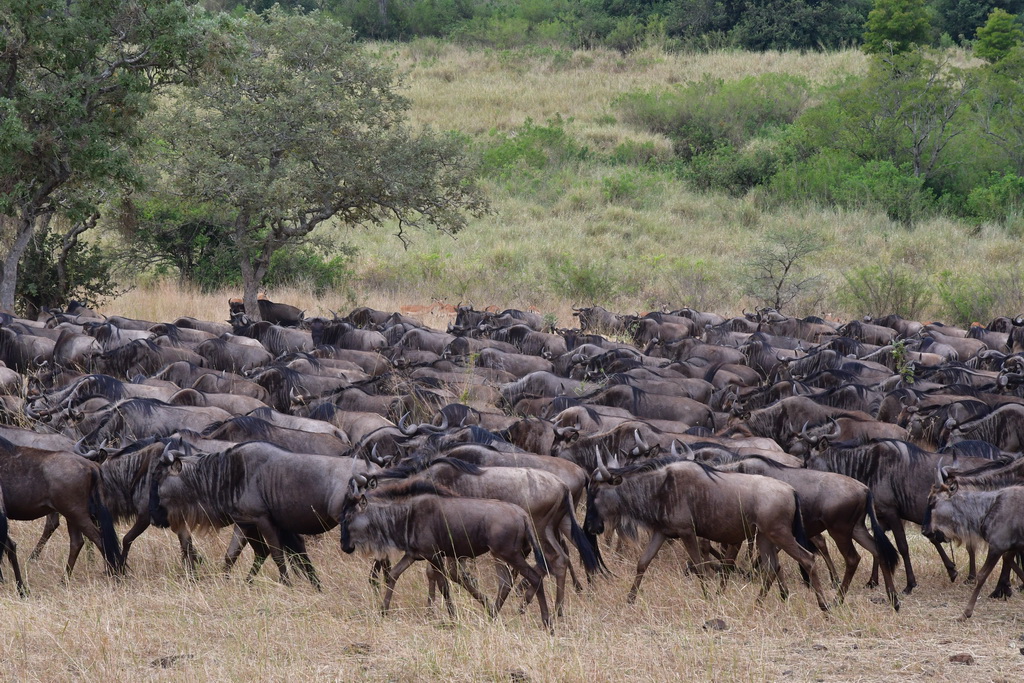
x=215 y=481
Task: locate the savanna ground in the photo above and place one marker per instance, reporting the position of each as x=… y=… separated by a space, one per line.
x=662 y=244
x=156 y=624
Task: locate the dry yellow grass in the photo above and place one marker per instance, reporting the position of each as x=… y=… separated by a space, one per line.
x=157 y=625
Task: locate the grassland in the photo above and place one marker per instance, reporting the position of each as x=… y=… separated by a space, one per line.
x=631 y=237
x=156 y=625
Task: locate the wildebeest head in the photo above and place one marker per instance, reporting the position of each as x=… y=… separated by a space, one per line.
x=168 y=464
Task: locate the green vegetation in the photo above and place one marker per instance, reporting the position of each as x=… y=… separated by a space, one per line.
x=644 y=177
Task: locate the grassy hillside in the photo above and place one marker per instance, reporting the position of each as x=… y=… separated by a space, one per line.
x=600 y=226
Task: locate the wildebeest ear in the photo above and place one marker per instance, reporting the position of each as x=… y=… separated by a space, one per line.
x=371 y=482
x=615 y=480
x=362 y=503
x=175 y=467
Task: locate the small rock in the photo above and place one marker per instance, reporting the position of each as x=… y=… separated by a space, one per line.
x=357 y=649
x=787 y=672
x=169 y=661
x=715 y=625
x=518 y=676
x=963 y=658
x=817 y=646
x=1022 y=650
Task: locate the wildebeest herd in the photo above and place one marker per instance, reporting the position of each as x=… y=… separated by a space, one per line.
x=736 y=437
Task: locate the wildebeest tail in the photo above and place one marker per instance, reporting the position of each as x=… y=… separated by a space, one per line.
x=799 y=532
x=589 y=555
x=111 y=543
x=890 y=556
x=4 y=527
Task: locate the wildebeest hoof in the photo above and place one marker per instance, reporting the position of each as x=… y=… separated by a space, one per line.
x=871 y=584
x=1002 y=592
x=908 y=590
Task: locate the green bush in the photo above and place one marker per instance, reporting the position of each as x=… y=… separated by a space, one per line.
x=966 y=299
x=580 y=281
x=884 y=289
x=980 y=297
x=838 y=178
x=1000 y=201
x=88 y=274
x=702 y=115
x=635 y=153
x=310 y=265
x=731 y=170
x=531 y=147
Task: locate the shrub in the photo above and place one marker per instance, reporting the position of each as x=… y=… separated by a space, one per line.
x=531 y=147
x=580 y=281
x=776 y=274
x=734 y=171
x=312 y=265
x=87 y=273
x=704 y=114
x=883 y=289
x=980 y=297
x=838 y=178
x=1000 y=201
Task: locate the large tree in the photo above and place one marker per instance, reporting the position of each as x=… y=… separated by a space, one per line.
x=301 y=127
x=75 y=78
x=896 y=26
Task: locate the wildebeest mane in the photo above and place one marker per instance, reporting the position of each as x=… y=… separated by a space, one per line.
x=653 y=464
x=254 y=427
x=419 y=463
x=411 y=487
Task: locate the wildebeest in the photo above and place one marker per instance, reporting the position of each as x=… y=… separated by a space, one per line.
x=962 y=514
x=36 y=483
x=689 y=500
x=272 y=495
x=836 y=504
x=278 y=314
x=426 y=522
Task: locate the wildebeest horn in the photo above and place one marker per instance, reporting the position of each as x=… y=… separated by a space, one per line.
x=602 y=469
x=403 y=428
x=640 y=440
x=836 y=429
x=939 y=473
x=374 y=458
x=79 y=447
x=675 y=451
x=295 y=397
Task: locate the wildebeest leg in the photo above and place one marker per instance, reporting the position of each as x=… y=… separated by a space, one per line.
x=565 y=532
x=946 y=562
x=557 y=560
x=75 y=543
x=235 y=548
x=52 y=523
x=850 y=555
x=392 y=579
x=379 y=568
x=971 y=574
x=822 y=545
x=141 y=524
x=268 y=532
x=459 y=574
x=1003 y=589
x=986 y=569
x=11 y=550
x=436 y=575
x=770 y=568
x=653 y=546
x=505 y=579
x=189 y=557
x=899 y=535
x=862 y=536
x=789 y=545
x=536 y=581
x=298 y=552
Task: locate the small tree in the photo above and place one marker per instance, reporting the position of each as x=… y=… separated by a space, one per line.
x=302 y=127
x=998 y=36
x=776 y=271
x=896 y=26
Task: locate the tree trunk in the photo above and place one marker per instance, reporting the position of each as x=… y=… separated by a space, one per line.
x=22 y=230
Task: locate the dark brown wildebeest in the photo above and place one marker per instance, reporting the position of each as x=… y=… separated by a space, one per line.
x=899 y=475
x=968 y=515
x=426 y=522
x=689 y=500
x=836 y=504
x=9 y=548
x=37 y=483
x=272 y=495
